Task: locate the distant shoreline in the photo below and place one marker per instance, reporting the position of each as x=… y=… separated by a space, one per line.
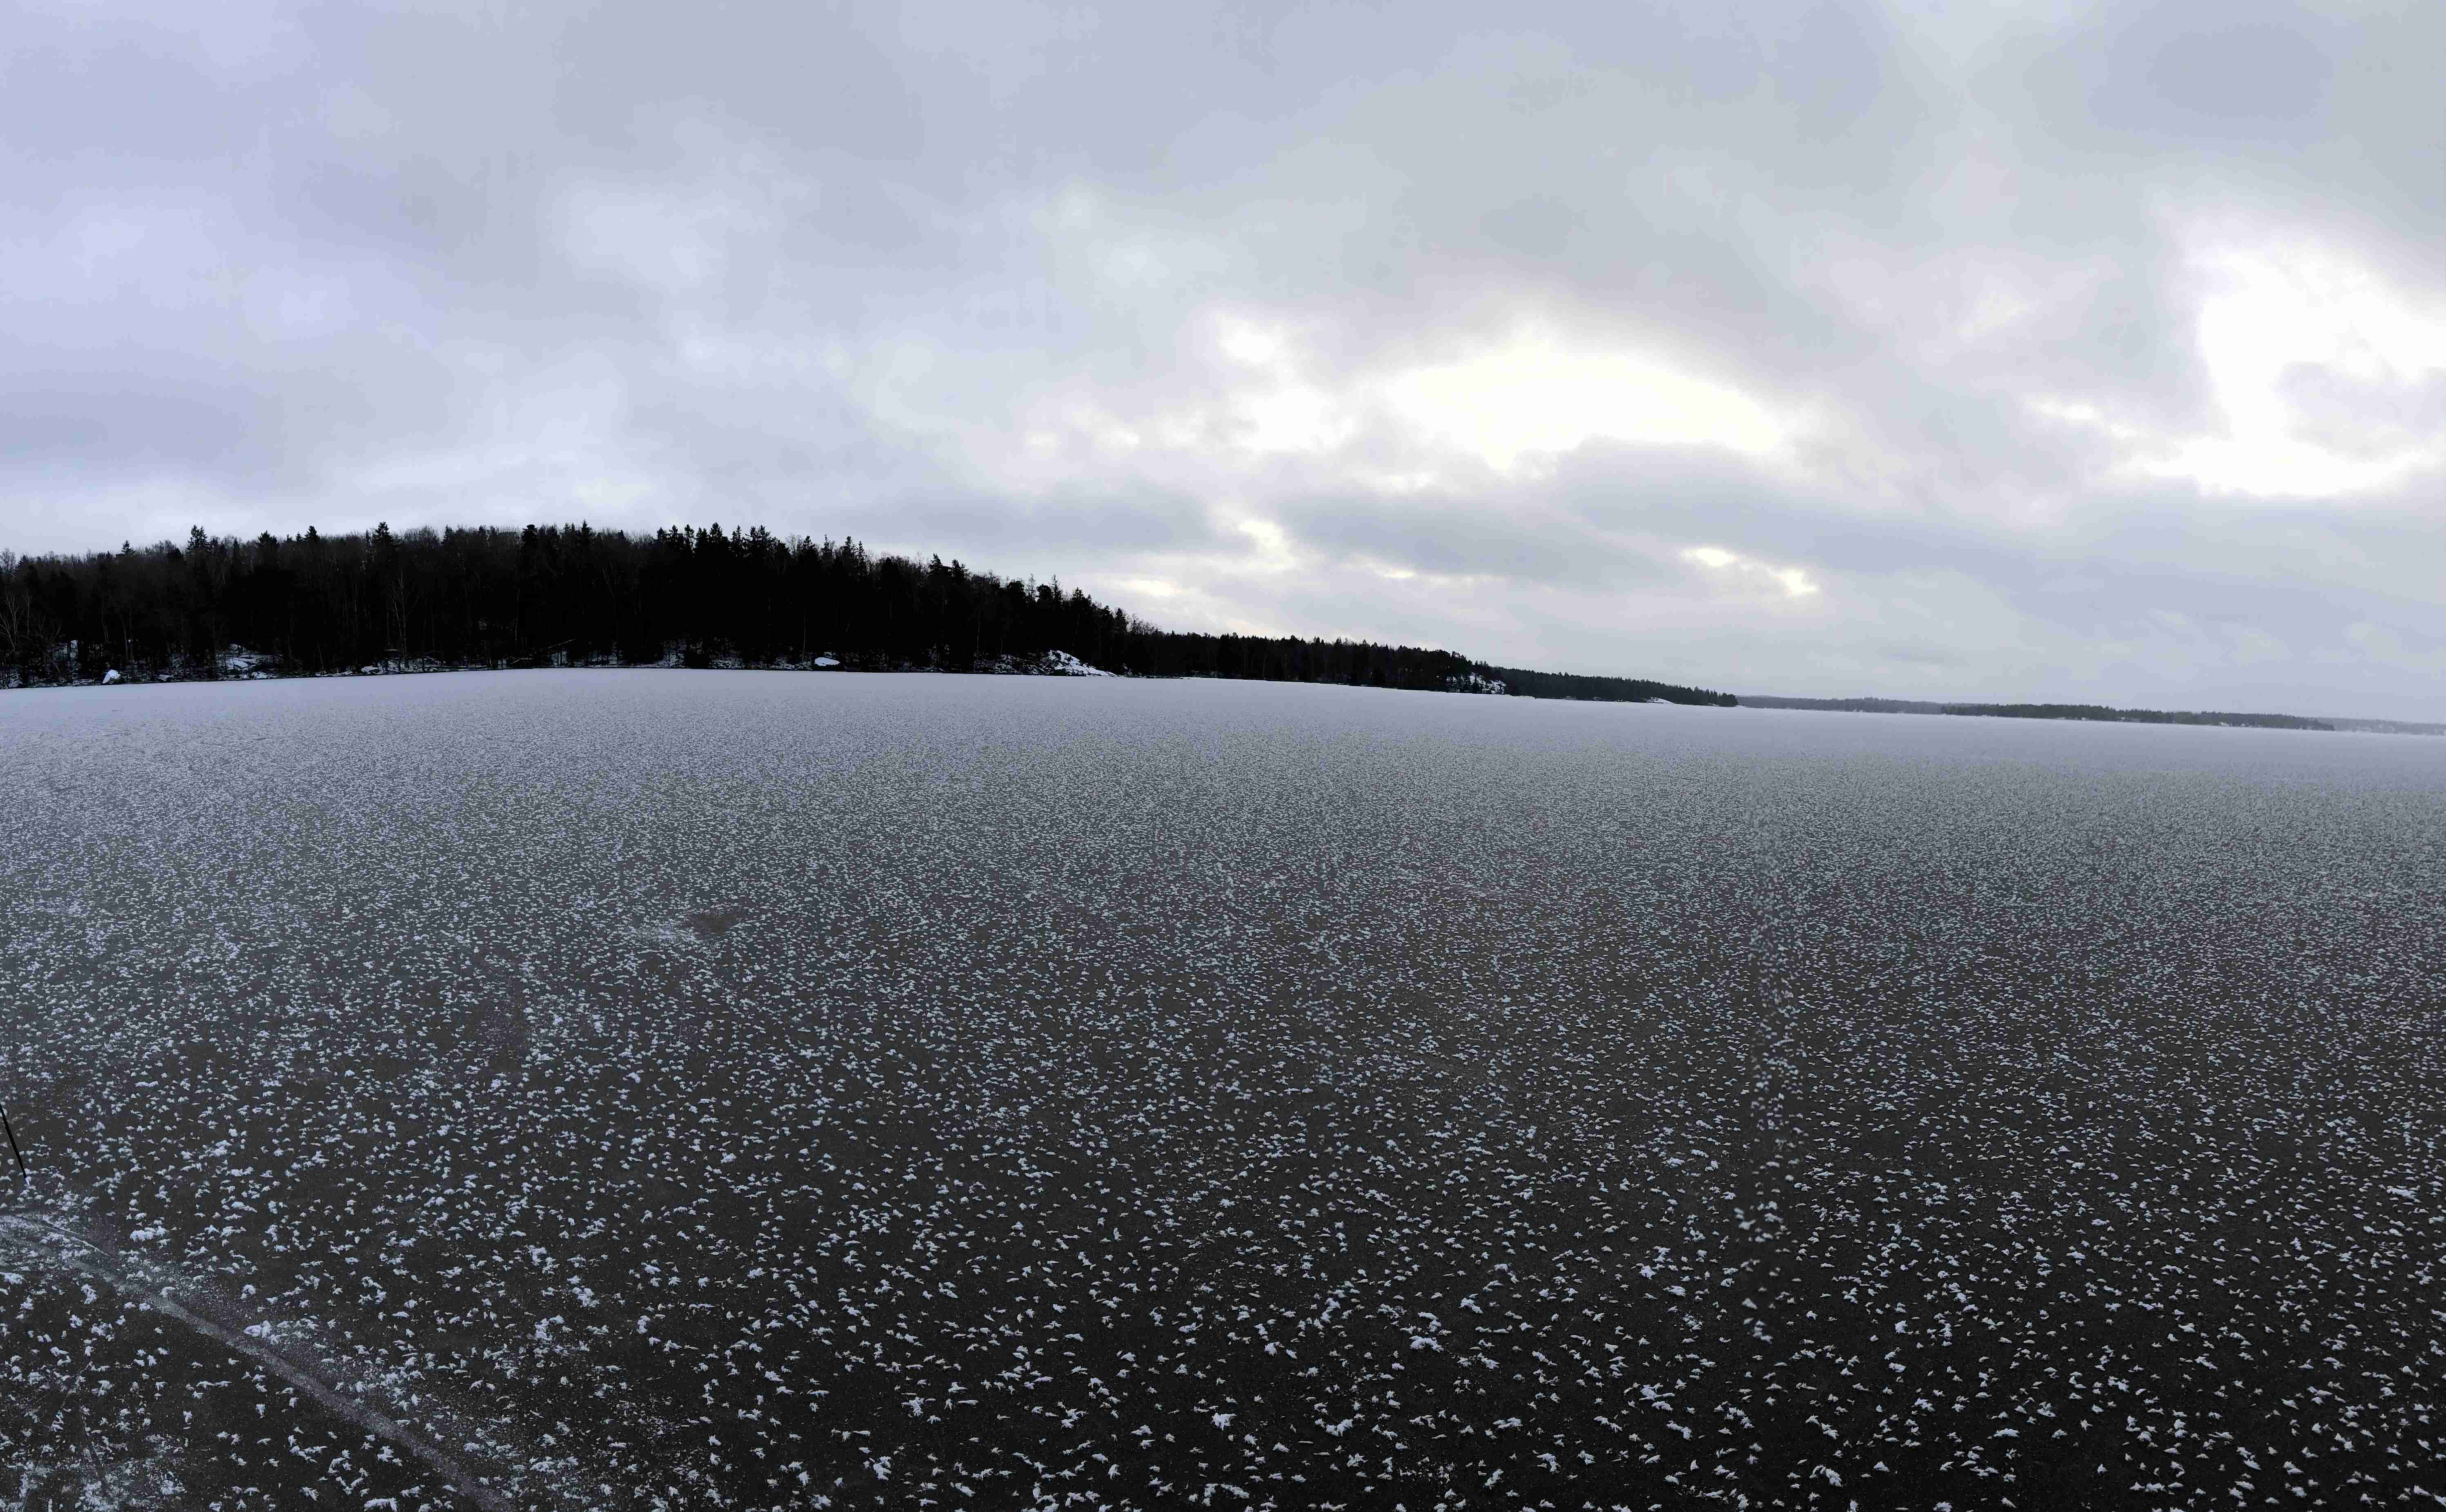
x=487 y=598
x=2094 y=713
x=1540 y=685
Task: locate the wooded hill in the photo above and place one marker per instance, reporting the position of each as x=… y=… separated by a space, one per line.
x=311 y=604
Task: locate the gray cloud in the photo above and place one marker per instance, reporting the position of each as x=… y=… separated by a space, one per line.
x=1828 y=347
x=2254 y=72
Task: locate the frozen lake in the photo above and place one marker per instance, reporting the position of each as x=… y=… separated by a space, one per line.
x=739 y=1089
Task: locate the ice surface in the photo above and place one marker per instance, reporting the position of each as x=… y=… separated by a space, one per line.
x=735 y=1089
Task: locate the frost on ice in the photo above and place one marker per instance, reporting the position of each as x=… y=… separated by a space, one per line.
x=732 y=1091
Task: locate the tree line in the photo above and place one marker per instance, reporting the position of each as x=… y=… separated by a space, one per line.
x=2098 y=711
x=1526 y=684
x=551 y=595
x=2137 y=716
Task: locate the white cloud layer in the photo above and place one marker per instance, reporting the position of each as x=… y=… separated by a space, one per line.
x=2047 y=351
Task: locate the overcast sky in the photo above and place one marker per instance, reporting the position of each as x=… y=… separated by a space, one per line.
x=1950 y=349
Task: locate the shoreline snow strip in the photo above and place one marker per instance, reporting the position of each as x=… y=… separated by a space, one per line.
x=95 y=1264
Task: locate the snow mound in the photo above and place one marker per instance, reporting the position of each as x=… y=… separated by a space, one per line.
x=1062 y=664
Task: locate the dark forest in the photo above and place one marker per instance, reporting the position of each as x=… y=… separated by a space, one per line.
x=547 y=594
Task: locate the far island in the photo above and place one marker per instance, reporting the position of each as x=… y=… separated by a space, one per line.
x=2092 y=711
